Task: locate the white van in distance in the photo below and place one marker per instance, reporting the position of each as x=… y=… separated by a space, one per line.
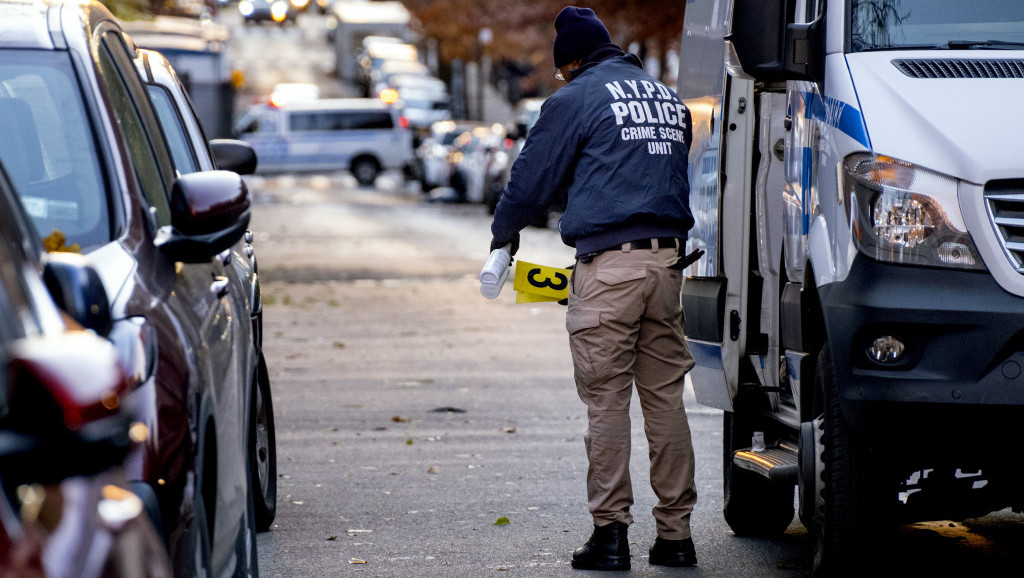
x=362 y=135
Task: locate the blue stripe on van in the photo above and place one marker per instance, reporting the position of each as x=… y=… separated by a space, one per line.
x=836 y=113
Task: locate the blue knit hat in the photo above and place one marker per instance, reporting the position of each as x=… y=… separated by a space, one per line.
x=578 y=32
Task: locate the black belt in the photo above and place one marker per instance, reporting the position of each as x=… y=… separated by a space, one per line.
x=663 y=243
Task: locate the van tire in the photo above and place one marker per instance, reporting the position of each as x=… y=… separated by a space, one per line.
x=859 y=492
x=365 y=170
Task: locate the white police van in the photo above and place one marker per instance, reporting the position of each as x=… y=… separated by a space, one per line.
x=857 y=182
x=362 y=135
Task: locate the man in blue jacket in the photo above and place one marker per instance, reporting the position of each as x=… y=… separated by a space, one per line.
x=612 y=145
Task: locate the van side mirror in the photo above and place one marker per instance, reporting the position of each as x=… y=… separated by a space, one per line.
x=209 y=213
x=769 y=44
x=75 y=287
x=233 y=155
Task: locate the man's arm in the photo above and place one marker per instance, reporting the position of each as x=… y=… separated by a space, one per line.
x=541 y=168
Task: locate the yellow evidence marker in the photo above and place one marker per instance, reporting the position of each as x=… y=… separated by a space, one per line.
x=539 y=283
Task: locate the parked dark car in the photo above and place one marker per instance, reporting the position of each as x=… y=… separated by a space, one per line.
x=192 y=153
x=65 y=421
x=91 y=164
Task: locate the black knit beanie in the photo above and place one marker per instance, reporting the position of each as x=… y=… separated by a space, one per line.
x=578 y=33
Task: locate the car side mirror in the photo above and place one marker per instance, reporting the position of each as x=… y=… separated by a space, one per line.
x=76 y=287
x=209 y=214
x=233 y=155
x=66 y=412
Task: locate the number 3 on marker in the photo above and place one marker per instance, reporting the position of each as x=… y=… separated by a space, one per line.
x=541 y=280
x=531 y=277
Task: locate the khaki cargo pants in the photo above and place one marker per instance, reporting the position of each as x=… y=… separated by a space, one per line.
x=625 y=326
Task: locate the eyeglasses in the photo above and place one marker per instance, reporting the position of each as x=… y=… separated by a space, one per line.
x=558 y=75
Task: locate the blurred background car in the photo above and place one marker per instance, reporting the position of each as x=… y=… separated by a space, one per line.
x=65 y=420
x=259 y=11
x=92 y=168
x=394 y=57
x=424 y=99
x=478 y=155
x=434 y=152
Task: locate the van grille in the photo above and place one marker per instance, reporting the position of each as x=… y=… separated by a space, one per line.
x=1005 y=203
x=961 y=67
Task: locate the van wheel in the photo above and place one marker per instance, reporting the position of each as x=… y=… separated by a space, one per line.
x=365 y=170
x=753 y=505
x=859 y=494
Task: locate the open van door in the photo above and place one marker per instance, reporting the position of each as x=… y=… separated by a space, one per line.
x=721 y=176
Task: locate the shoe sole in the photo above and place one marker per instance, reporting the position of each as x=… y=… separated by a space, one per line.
x=607 y=567
x=673 y=564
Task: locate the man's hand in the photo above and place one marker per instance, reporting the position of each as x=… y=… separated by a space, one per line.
x=513 y=242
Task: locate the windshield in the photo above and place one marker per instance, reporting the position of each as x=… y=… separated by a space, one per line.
x=894 y=24
x=48 y=149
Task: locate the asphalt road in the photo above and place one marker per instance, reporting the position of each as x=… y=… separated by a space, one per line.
x=413 y=414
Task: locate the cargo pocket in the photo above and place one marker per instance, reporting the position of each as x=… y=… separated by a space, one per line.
x=582 y=325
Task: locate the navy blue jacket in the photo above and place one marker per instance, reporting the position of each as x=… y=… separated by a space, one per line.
x=614 y=144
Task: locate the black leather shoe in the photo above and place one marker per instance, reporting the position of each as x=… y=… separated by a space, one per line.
x=607 y=549
x=673 y=552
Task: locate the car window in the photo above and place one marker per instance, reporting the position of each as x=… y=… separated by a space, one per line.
x=256 y=121
x=334 y=120
x=312 y=121
x=140 y=148
x=174 y=130
x=49 y=149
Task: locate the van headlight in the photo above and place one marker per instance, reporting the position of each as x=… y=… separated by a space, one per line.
x=905 y=214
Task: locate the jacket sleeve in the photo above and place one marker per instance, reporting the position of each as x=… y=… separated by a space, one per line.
x=543 y=168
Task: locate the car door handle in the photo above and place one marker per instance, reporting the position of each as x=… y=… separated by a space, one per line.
x=220 y=284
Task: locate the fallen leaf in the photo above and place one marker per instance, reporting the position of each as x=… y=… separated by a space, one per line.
x=331 y=538
x=448 y=409
x=434 y=470
x=408 y=442
x=508 y=430
x=502 y=521
x=400 y=419
x=356 y=561
x=339 y=345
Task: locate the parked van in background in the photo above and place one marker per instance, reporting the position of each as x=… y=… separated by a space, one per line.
x=857 y=182
x=362 y=135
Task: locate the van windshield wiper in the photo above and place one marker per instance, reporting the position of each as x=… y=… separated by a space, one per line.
x=951 y=45
x=1000 y=44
